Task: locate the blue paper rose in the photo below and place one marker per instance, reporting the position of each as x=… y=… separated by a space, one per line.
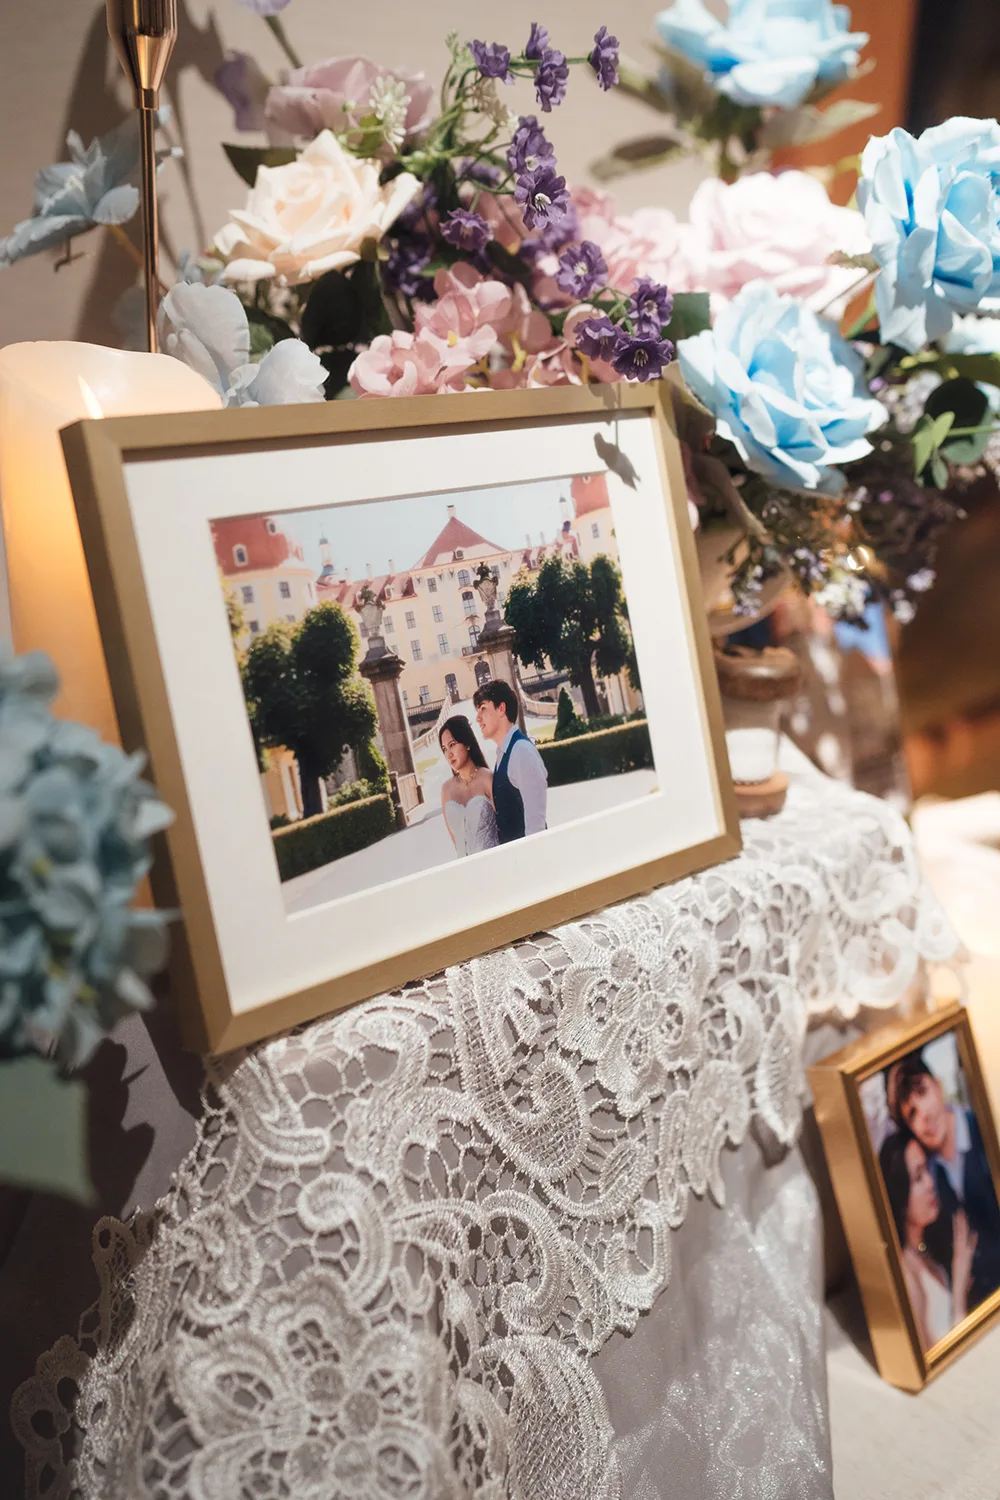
x=931 y=208
x=785 y=388
x=771 y=52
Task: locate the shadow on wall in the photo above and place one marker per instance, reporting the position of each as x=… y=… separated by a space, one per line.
x=93 y=108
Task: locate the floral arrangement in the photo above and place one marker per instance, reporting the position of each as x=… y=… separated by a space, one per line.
x=837 y=372
x=76 y=823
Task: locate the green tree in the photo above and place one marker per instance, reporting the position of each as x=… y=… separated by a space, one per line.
x=303 y=692
x=568 y=721
x=572 y=615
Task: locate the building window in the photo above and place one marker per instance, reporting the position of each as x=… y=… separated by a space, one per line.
x=411 y=620
x=290 y=619
x=272 y=528
x=284 y=590
x=425 y=694
x=432 y=585
x=388 y=593
x=406 y=698
x=595 y=530
x=443 y=646
x=438 y=614
x=459 y=553
x=473 y=636
x=469 y=602
x=387 y=624
x=415 y=651
x=240 y=556
x=463 y=578
x=254 y=627
x=247 y=592
x=496 y=573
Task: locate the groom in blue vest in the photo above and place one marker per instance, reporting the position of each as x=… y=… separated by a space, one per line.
x=520 y=780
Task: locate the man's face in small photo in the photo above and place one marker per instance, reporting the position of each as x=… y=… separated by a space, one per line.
x=925 y=1111
x=490 y=717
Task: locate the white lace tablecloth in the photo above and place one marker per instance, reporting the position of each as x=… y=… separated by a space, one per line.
x=436 y=1246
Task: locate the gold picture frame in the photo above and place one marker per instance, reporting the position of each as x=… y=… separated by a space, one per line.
x=108 y=459
x=907 y=1351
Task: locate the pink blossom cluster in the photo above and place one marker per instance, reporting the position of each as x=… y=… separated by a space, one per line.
x=477 y=333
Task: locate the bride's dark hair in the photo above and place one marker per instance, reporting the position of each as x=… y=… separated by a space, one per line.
x=461 y=730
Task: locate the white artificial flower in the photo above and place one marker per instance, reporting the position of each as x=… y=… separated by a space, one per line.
x=311 y=216
x=390 y=102
x=206 y=327
x=843 y=595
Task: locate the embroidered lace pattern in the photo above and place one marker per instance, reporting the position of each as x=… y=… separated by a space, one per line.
x=405 y=1230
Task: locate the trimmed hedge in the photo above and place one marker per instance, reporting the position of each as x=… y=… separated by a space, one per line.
x=314 y=842
x=610 y=752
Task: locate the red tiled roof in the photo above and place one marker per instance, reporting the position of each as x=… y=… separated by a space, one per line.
x=590 y=492
x=455 y=537
x=264 y=548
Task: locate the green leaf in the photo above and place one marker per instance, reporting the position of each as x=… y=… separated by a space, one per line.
x=635 y=155
x=43 y=1129
x=691 y=315
x=939 y=472
x=860 y=324
x=806 y=125
x=928 y=436
x=344 y=308
x=979 y=367
x=246 y=159
x=265 y=331
x=967 y=406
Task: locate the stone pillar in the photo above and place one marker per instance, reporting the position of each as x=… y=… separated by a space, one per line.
x=383 y=669
x=497 y=640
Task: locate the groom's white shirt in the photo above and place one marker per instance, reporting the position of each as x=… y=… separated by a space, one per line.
x=527 y=772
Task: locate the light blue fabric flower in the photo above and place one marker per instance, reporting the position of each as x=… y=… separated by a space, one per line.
x=785 y=389
x=932 y=210
x=207 y=328
x=75 y=824
x=97 y=186
x=771 y=52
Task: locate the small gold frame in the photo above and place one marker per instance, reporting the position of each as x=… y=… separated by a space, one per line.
x=96 y=452
x=863 y=1201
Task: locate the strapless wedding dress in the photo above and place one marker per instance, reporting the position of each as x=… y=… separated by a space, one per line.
x=940 y=1317
x=473 y=825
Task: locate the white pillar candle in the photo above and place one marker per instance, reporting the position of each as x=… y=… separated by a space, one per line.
x=43 y=388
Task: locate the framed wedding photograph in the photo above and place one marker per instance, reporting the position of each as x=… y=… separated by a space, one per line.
x=418 y=678
x=912 y=1149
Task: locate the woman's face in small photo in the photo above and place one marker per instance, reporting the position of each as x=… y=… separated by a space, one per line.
x=455 y=753
x=925 y=1111
x=923 y=1207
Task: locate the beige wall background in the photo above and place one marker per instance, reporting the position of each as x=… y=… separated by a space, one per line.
x=57 y=73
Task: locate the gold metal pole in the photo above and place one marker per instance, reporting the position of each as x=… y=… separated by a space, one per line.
x=143 y=33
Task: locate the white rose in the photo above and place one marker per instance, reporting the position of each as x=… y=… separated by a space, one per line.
x=311 y=216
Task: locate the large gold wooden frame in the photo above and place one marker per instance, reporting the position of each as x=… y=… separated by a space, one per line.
x=864 y=1204
x=96 y=452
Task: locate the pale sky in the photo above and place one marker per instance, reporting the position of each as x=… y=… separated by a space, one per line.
x=403 y=530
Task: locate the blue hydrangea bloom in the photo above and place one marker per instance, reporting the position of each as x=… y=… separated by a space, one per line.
x=97 y=186
x=932 y=209
x=770 y=52
x=784 y=387
x=75 y=825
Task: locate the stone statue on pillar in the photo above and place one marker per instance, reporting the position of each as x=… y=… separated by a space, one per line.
x=383 y=669
x=497 y=638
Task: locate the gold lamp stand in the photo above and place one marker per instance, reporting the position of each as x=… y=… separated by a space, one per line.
x=143 y=33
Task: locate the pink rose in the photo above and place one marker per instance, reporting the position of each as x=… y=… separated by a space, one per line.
x=333 y=95
x=649 y=242
x=778 y=228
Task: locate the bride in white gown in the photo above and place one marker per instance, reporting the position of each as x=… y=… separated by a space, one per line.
x=467 y=795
